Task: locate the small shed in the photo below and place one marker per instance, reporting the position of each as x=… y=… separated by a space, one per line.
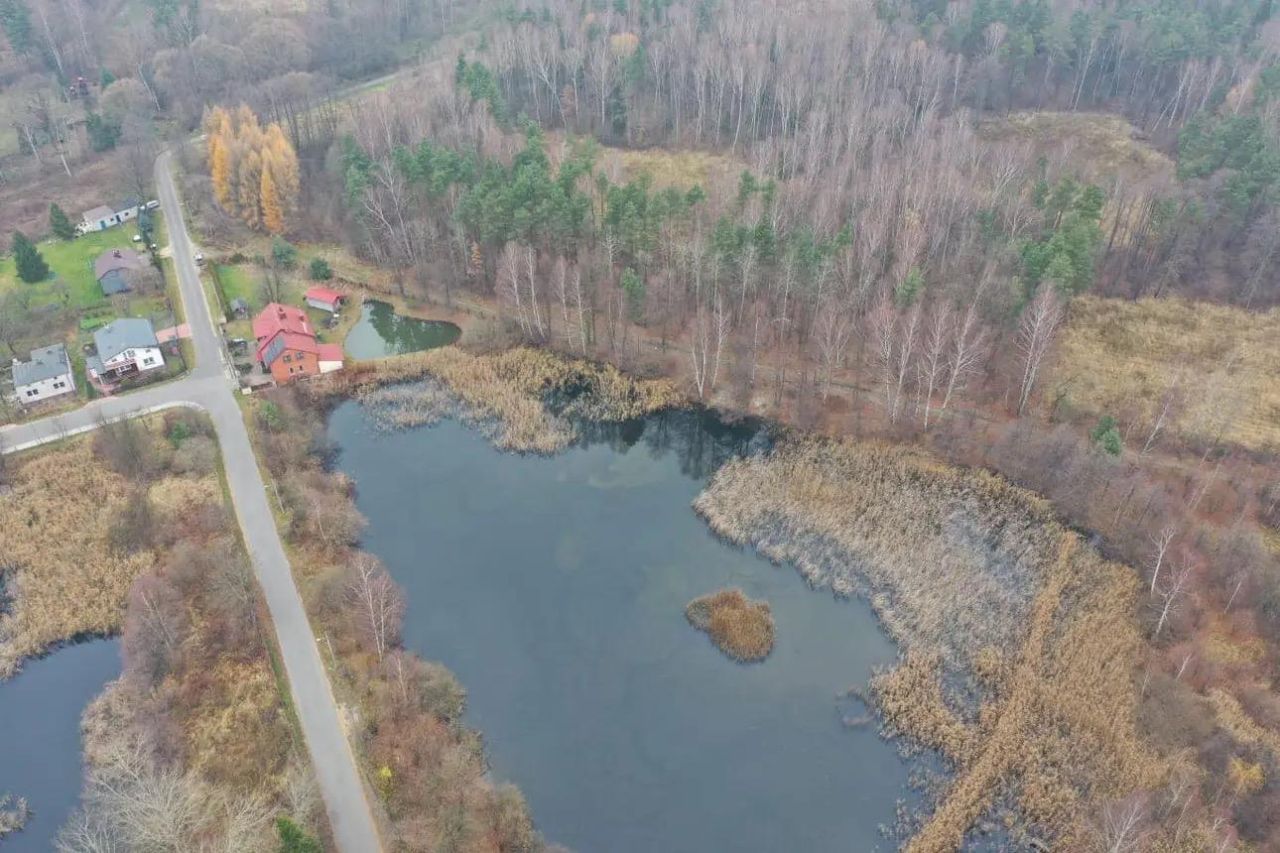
x=324 y=298
x=239 y=307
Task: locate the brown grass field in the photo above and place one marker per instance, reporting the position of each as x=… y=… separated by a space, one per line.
x=62 y=577
x=1217 y=363
x=1104 y=145
x=740 y=627
x=990 y=597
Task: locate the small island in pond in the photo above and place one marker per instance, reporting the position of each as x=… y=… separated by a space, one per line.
x=740 y=627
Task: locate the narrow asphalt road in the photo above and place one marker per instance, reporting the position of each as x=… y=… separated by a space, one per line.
x=211 y=386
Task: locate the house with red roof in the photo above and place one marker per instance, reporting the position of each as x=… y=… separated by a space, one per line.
x=287 y=345
x=324 y=298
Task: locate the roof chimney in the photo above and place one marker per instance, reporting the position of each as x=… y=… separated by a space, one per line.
x=280 y=311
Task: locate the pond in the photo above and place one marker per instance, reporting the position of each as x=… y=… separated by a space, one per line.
x=555 y=589
x=381 y=332
x=40 y=750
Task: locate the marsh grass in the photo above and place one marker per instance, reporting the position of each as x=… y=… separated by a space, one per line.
x=1020 y=647
x=740 y=627
x=521 y=399
x=1121 y=357
x=61 y=575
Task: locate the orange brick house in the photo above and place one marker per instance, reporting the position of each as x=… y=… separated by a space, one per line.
x=287 y=346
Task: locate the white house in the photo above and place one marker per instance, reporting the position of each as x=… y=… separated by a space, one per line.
x=103 y=217
x=47 y=374
x=126 y=347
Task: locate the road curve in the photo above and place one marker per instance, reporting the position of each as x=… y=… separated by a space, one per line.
x=211 y=386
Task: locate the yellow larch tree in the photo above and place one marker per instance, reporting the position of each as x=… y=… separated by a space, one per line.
x=254 y=170
x=249 y=192
x=272 y=212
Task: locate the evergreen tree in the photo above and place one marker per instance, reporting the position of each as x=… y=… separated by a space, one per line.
x=293 y=839
x=28 y=260
x=59 y=224
x=320 y=270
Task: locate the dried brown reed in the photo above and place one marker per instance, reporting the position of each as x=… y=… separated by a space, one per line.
x=958 y=563
x=56 y=565
x=740 y=627
x=522 y=399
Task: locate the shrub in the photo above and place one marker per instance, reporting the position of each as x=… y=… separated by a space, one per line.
x=284 y=253
x=320 y=270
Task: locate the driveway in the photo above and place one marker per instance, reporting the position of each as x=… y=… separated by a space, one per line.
x=211 y=386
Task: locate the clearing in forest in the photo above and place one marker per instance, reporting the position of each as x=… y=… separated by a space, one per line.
x=1102 y=145
x=682 y=169
x=1210 y=369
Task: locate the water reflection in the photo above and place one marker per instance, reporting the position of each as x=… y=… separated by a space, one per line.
x=382 y=332
x=555 y=587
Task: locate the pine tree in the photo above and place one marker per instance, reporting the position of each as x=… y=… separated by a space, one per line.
x=59 y=224
x=293 y=839
x=28 y=260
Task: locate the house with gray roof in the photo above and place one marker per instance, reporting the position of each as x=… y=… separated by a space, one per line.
x=47 y=374
x=126 y=347
x=112 y=267
x=103 y=216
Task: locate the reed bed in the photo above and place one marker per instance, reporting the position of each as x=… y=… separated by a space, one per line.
x=522 y=399
x=61 y=577
x=959 y=564
x=740 y=627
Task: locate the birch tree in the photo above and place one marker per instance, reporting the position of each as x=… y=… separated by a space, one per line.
x=1036 y=333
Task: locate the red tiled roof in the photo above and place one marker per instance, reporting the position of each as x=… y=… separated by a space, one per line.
x=280 y=318
x=323 y=294
x=293 y=342
x=330 y=352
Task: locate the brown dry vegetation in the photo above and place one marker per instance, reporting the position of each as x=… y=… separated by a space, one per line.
x=740 y=627
x=958 y=563
x=1214 y=364
x=61 y=572
x=505 y=395
x=192 y=745
x=1102 y=144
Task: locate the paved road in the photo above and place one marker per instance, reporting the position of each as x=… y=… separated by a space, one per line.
x=211 y=387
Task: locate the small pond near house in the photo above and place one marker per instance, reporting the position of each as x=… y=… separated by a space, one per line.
x=40 y=749
x=554 y=587
x=381 y=332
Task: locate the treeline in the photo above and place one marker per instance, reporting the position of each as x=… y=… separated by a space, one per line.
x=428 y=769
x=827 y=97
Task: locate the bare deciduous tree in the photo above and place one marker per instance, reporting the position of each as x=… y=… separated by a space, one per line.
x=1036 y=333
x=381 y=605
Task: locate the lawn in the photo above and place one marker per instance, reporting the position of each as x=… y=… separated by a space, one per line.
x=1122 y=358
x=72 y=263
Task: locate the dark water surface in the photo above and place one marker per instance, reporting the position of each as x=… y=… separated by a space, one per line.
x=555 y=589
x=381 y=332
x=40 y=756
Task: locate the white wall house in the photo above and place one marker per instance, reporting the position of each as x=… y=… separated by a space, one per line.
x=103 y=217
x=126 y=347
x=47 y=374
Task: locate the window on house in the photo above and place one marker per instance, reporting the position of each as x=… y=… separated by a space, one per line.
x=59 y=384
x=148 y=360
x=32 y=392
